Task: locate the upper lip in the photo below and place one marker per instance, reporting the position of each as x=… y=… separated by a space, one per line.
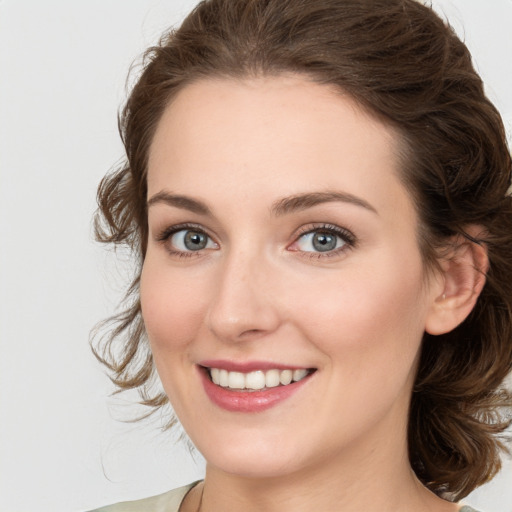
x=248 y=366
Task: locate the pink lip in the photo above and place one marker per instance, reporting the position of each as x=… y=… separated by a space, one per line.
x=248 y=401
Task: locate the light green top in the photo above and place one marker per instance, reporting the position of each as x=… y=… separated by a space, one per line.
x=167 y=502
x=170 y=502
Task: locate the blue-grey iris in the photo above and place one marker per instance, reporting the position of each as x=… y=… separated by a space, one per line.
x=195 y=241
x=323 y=242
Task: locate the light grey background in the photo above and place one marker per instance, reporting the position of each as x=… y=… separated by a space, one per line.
x=62 y=77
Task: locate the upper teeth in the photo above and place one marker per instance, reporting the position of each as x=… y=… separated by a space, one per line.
x=258 y=379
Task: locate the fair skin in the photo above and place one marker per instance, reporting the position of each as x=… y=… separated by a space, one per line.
x=243 y=269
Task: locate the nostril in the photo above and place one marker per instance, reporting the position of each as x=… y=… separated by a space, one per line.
x=250 y=332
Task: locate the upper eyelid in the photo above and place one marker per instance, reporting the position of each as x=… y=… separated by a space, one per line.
x=175 y=228
x=338 y=230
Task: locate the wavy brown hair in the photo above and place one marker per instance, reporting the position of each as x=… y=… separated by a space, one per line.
x=403 y=64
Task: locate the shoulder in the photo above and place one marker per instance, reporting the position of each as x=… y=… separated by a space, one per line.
x=467 y=508
x=167 y=502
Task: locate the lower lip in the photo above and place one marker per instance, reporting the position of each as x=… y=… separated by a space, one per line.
x=248 y=401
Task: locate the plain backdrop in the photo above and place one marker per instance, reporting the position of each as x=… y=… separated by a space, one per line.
x=63 y=66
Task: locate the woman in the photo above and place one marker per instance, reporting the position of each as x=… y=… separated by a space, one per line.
x=317 y=193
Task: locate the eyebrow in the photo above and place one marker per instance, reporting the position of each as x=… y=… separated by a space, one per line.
x=286 y=205
x=179 y=201
x=301 y=202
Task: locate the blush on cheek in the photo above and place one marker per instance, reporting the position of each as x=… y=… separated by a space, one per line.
x=165 y=330
x=171 y=312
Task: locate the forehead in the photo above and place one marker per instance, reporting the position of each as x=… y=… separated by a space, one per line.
x=273 y=136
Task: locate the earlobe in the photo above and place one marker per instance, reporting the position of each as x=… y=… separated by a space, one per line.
x=463 y=274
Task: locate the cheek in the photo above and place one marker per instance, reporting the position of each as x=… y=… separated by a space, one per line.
x=369 y=324
x=172 y=303
x=375 y=311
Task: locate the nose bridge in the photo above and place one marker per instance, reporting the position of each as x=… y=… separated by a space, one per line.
x=242 y=304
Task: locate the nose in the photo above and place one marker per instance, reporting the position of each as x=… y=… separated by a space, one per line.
x=243 y=306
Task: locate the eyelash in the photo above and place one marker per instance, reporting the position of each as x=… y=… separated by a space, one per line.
x=345 y=235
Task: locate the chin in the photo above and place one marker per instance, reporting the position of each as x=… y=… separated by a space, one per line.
x=253 y=458
x=257 y=467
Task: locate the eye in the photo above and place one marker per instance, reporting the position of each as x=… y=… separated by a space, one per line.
x=186 y=240
x=328 y=240
x=319 y=241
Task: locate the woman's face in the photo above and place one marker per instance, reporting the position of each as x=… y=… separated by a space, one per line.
x=282 y=245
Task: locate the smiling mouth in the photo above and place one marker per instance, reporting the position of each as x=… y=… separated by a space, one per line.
x=257 y=380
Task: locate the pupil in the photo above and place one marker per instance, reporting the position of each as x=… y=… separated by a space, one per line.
x=195 y=241
x=324 y=242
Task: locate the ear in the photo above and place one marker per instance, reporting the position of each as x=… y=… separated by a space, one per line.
x=462 y=278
